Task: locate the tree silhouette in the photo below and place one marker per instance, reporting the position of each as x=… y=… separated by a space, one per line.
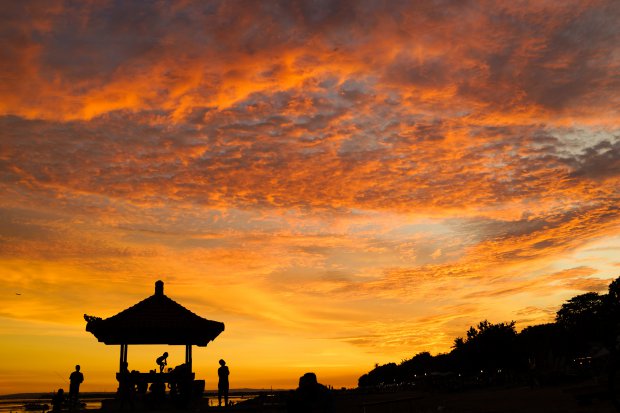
x=488 y=348
x=580 y=310
x=583 y=323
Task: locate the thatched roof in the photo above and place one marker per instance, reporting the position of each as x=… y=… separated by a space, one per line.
x=155 y=320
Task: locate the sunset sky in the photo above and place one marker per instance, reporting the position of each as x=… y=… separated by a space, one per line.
x=342 y=183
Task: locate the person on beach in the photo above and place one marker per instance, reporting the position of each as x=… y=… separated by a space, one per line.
x=75 y=379
x=222 y=384
x=162 y=361
x=57 y=400
x=310 y=396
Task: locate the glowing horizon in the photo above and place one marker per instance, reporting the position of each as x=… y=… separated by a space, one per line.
x=340 y=183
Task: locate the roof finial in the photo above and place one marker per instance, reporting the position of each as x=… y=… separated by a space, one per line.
x=159 y=288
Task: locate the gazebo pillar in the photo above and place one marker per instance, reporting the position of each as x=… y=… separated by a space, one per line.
x=123 y=358
x=188 y=356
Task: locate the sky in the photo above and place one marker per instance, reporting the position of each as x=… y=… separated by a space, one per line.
x=342 y=183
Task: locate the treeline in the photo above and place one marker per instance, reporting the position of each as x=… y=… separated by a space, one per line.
x=584 y=336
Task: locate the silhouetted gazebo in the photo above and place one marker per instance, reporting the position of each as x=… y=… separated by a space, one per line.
x=155 y=320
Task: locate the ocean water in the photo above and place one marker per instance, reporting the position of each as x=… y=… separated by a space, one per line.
x=231 y=399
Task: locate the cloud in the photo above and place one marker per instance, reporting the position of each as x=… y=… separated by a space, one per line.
x=246 y=114
x=244 y=164
x=164 y=55
x=573 y=279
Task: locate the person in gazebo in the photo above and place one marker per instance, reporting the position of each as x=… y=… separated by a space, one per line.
x=126 y=387
x=162 y=361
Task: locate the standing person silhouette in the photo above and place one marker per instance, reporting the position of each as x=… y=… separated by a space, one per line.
x=222 y=384
x=75 y=379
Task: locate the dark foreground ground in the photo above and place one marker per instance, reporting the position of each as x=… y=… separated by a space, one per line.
x=560 y=399
x=557 y=399
x=498 y=400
